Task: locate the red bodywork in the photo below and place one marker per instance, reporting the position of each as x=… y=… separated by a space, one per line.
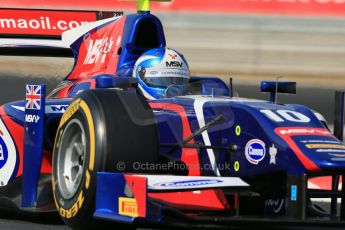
x=17 y=133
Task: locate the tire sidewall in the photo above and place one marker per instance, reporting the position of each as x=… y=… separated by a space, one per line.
x=106 y=116
x=75 y=210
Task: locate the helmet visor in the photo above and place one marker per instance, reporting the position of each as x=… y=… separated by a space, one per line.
x=164 y=82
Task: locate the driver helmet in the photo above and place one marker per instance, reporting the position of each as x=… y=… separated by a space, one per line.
x=159 y=68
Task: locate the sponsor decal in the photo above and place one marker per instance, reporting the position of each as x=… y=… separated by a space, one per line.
x=320 y=141
x=173 y=56
x=293 y=193
x=49 y=108
x=98 y=50
x=325 y=146
x=29 y=118
x=255 y=151
x=69 y=213
x=154 y=73
x=8 y=155
x=42 y=22
x=275 y=204
x=174 y=73
x=336 y=155
x=33 y=97
x=285 y=116
x=190 y=183
x=238 y=130
x=291 y=134
x=128 y=207
x=337 y=159
x=3 y=153
x=56 y=108
x=273 y=153
x=330 y=150
x=174 y=64
x=237 y=166
x=304 y=131
x=72 y=109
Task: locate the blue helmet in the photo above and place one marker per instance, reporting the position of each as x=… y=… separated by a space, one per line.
x=157 y=69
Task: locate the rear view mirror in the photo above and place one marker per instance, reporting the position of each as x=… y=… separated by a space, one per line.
x=282 y=87
x=274 y=87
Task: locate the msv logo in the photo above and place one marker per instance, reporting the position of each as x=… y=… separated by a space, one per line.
x=98 y=50
x=29 y=118
x=275 y=205
x=174 y=64
x=57 y=108
x=255 y=151
x=189 y=183
x=304 y=131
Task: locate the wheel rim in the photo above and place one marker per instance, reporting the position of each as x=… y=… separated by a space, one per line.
x=71 y=159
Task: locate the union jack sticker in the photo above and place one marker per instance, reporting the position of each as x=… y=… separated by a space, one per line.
x=33 y=97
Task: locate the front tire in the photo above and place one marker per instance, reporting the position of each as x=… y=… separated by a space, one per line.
x=99 y=129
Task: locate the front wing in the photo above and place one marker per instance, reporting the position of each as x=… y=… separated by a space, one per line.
x=133 y=198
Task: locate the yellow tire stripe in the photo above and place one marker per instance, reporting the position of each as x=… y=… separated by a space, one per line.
x=87 y=112
x=72 y=109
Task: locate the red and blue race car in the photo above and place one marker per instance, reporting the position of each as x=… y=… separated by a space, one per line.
x=95 y=148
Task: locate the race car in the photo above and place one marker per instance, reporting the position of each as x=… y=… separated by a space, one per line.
x=96 y=149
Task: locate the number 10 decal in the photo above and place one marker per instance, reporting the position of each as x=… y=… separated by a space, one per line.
x=285 y=115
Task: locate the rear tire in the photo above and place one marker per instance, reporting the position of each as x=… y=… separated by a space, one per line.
x=98 y=130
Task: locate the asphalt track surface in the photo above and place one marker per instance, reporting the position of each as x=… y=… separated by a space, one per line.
x=18 y=222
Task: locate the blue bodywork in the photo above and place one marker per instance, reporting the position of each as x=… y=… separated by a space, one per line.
x=112 y=186
x=132 y=46
x=246 y=114
x=33 y=142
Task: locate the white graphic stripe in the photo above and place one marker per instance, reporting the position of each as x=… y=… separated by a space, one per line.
x=49 y=108
x=20 y=108
x=146 y=95
x=199 y=111
x=141 y=59
x=70 y=36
